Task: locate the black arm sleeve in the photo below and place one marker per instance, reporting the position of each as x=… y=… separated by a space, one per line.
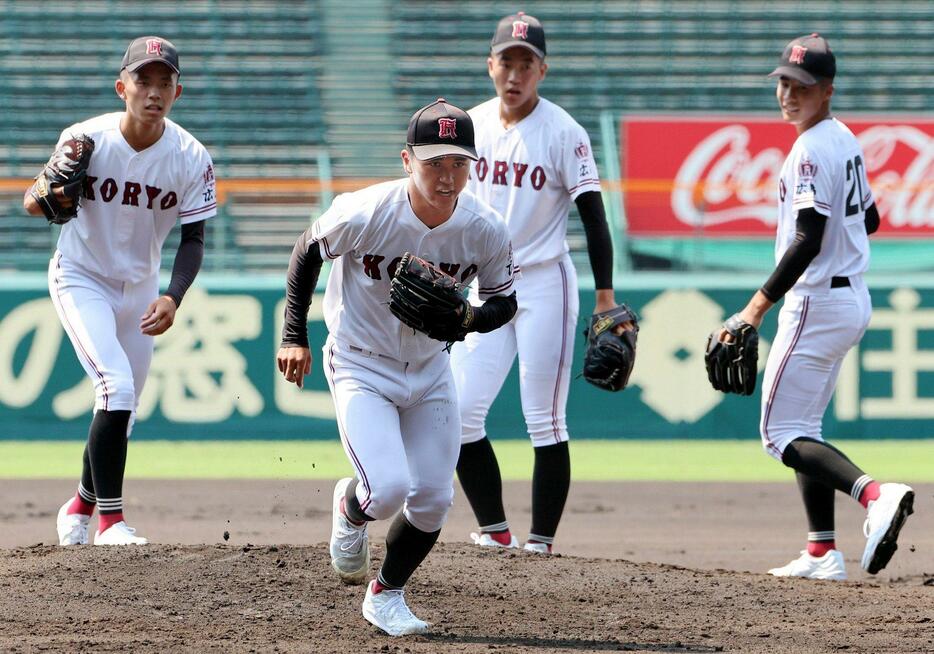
x=872 y=220
x=494 y=313
x=799 y=255
x=599 y=243
x=187 y=261
x=304 y=268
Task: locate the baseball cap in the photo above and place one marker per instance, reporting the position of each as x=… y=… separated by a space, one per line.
x=519 y=30
x=807 y=59
x=147 y=49
x=440 y=129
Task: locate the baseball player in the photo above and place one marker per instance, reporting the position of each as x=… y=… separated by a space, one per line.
x=392 y=386
x=534 y=160
x=826 y=213
x=146 y=173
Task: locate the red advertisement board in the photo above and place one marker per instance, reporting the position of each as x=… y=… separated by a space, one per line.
x=685 y=175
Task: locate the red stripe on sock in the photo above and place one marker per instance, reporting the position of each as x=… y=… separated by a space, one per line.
x=819 y=548
x=869 y=494
x=501 y=537
x=108 y=520
x=78 y=505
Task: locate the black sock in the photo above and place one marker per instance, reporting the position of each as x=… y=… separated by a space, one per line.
x=107 y=443
x=479 y=475
x=352 y=505
x=821 y=461
x=87 y=481
x=406 y=548
x=551 y=479
x=818 y=503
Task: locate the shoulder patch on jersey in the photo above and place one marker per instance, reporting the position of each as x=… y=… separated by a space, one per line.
x=582 y=151
x=807 y=169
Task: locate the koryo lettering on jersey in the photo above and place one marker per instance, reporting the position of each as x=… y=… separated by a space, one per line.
x=684 y=175
x=376 y=266
x=129 y=193
x=510 y=173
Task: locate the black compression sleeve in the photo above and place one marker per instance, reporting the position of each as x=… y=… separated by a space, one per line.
x=599 y=243
x=304 y=268
x=872 y=220
x=187 y=261
x=798 y=256
x=494 y=313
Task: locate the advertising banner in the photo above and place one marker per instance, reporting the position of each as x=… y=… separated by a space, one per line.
x=213 y=374
x=719 y=175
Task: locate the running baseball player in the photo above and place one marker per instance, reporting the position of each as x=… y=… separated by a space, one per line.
x=826 y=213
x=534 y=160
x=134 y=174
x=392 y=386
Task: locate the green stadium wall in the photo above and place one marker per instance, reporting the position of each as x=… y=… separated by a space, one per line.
x=214 y=375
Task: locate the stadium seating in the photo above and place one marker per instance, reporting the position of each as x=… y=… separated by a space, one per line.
x=273 y=88
x=665 y=56
x=250 y=94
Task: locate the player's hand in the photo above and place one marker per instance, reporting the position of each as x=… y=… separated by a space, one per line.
x=159 y=316
x=32 y=207
x=606 y=302
x=294 y=363
x=746 y=315
x=63 y=199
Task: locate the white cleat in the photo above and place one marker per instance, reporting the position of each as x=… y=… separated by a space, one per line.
x=829 y=567
x=350 y=545
x=537 y=548
x=72 y=528
x=388 y=611
x=485 y=540
x=884 y=520
x=119 y=533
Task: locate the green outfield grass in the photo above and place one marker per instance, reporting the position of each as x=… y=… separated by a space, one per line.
x=592 y=460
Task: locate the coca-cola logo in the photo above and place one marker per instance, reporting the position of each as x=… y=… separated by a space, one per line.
x=905 y=197
x=722 y=179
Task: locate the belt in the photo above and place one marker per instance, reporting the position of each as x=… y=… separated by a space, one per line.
x=367 y=353
x=839 y=282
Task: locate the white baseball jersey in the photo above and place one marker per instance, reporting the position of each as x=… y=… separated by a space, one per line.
x=818 y=324
x=133 y=199
x=826 y=171
x=368 y=231
x=530 y=173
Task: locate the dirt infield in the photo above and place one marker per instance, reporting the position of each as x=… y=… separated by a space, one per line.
x=644 y=567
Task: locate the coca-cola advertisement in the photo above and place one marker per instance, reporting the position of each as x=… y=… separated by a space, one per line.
x=719 y=175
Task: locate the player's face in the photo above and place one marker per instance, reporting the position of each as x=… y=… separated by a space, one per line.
x=803 y=106
x=516 y=73
x=149 y=92
x=436 y=182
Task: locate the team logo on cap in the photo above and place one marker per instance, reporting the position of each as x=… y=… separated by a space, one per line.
x=154 y=47
x=520 y=30
x=797 y=54
x=447 y=128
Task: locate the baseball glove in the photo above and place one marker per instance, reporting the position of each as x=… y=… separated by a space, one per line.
x=429 y=300
x=66 y=169
x=732 y=367
x=609 y=357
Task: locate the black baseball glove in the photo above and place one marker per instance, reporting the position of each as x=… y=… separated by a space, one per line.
x=609 y=357
x=429 y=300
x=732 y=367
x=66 y=169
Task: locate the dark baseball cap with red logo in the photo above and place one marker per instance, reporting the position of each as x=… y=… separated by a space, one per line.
x=441 y=129
x=149 y=49
x=519 y=30
x=807 y=59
